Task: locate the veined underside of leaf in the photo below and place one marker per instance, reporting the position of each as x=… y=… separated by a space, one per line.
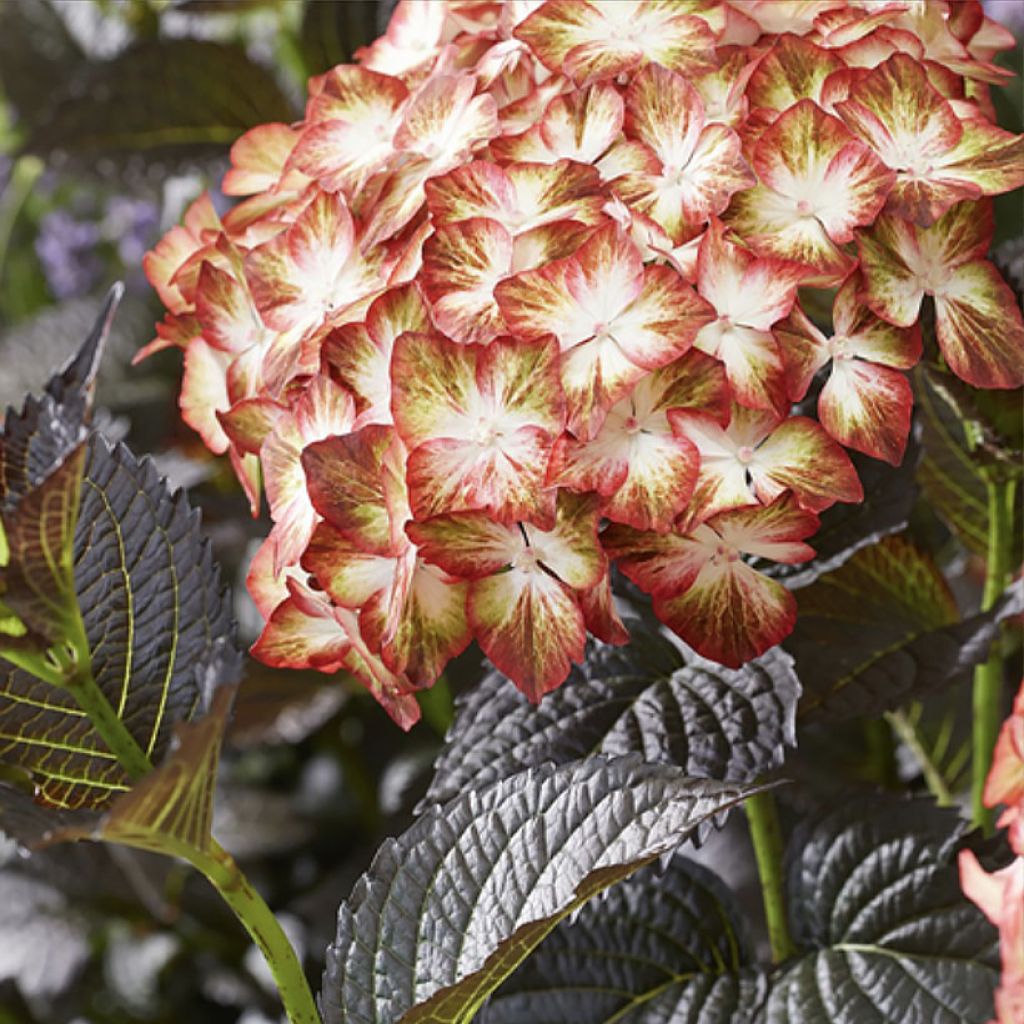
x=110 y=569
x=451 y=907
x=884 y=628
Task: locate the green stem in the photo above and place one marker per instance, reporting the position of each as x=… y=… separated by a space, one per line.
x=57 y=668
x=24 y=175
x=263 y=927
x=906 y=731
x=766 y=837
x=988 y=677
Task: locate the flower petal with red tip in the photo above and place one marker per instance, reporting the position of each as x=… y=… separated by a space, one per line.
x=462 y=264
x=357 y=483
x=698 y=166
x=590 y=41
x=479 y=422
x=794 y=69
x=258 y=159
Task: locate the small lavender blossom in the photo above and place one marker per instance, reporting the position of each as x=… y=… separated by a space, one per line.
x=132 y=225
x=65 y=247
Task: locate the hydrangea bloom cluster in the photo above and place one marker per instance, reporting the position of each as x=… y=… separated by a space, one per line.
x=1000 y=895
x=518 y=298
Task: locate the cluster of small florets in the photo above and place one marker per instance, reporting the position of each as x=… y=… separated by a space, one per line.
x=518 y=298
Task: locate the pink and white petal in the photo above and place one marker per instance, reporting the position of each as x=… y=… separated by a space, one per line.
x=695 y=381
x=559 y=26
x=775 y=228
x=258 y=159
x=348 y=573
x=352 y=359
x=794 y=69
x=302 y=634
x=266 y=587
x=249 y=475
x=662 y=322
x=753 y=362
x=342 y=156
x=659 y=563
x=414 y=35
x=595 y=375
x=582 y=125
x=171 y=332
x=565 y=190
x=801 y=457
x=730 y=614
x=867 y=407
x=248 y=422
x=505 y=479
x=477 y=189
x=444 y=121
x=604 y=278
x=570 y=549
x=889 y=256
x=900 y=115
x=600 y=465
x=430 y=627
x=775 y=531
x=666 y=113
x=722 y=478
x=462 y=264
x=356 y=482
x=529 y=625
x=204 y=393
x=554 y=241
x=805 y=350
x=469 y=545
x=434 y=388
x=859 y=332
x=979 y=327
x=537 y=303
x=600 y=615
x=162 y=262
x=519 y=381
x=229 y=317
x=662 y=474
x=753 y=292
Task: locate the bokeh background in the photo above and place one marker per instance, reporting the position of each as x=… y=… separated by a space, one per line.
x=114 y=115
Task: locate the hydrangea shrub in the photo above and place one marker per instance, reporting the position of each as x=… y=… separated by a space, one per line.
x=534 y=289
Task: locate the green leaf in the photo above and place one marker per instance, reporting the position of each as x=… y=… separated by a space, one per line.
x=36 y=439
x=449 y=909
x=162 y=99
x=332 y=31
x=147 y=628
x=170 y=810
x=952 y=476
x=889 y=496
x=37 y=56
x=874 y=888
x=885 y=628
x=647 y=697
x=661 y=947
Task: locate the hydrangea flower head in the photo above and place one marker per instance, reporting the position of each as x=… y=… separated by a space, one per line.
x=523 y=296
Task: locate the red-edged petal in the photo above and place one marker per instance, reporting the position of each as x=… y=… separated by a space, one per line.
x=794 y=69
x=258 y=159
x=799 y=456
x=467 y=544
x=600 y=615
x=462 y=264
x=204 y=393
x=356 y=482
x=979 y=327
x=530 y=626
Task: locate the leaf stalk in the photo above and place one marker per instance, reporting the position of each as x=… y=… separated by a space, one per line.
x=766 y=837
x=988 y=677
x=224 y=874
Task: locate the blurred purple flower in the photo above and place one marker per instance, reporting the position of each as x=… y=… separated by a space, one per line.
x=66 y=249
x=132 y=224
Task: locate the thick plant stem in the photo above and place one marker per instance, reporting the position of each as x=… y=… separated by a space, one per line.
x=988 y=677
x=766 y=837
x=265 y=930
x=906 y=731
